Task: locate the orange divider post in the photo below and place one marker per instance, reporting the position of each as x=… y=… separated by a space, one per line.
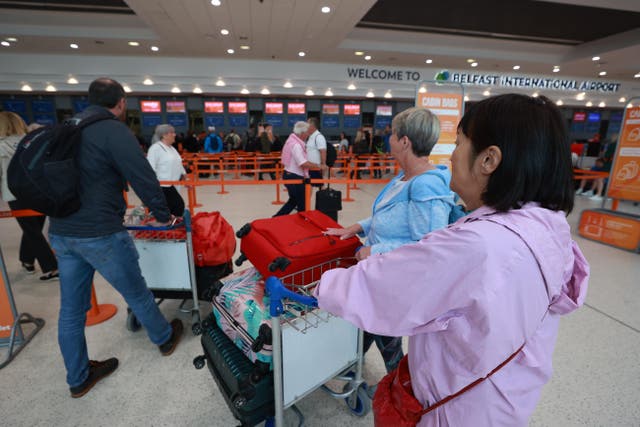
x=277 y=201
x=126 y=200
x=221 y=175
x=307 y=197
x=98 y=313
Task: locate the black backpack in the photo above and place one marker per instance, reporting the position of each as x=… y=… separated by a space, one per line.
x=43 y=174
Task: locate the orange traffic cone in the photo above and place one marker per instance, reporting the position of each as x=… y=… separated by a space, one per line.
x=98 y=313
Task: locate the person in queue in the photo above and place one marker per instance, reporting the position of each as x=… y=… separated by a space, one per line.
x=167 y=164
x=33 y=245
x=411 y=205
x=316 y=149
x=481 y=299
x=94 y=238
x=296 y=167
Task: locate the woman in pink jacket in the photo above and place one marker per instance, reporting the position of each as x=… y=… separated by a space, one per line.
x=481 y=299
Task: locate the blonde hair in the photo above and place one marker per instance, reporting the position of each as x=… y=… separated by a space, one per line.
x=11 y=124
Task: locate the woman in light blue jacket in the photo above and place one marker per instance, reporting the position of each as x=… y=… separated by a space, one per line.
x=414 y=203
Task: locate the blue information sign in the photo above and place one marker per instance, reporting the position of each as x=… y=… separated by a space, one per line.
x=382 y=121
x=79 y=105
x=330 y=121
x=351 y=122
x=214 y=120
x=151 y=120
x=177 y=120
x=42 y=106
x=15 y=105
x=292 y=119
x=45 y=119
x=274 y=120
x=238 y=120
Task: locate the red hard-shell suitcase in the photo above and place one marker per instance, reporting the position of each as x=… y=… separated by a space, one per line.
x=288 y=244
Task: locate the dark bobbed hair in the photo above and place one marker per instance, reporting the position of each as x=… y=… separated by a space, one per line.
x=536 y=159
x=105 y=92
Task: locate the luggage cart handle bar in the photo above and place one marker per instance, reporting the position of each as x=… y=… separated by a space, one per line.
x=277 y=292
x=175 y=224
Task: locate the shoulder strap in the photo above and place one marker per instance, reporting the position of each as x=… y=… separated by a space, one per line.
x=84 y=122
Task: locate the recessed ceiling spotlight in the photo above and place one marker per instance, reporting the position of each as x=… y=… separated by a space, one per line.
x=602 y=73
x=428 y=61
x=637 y=75
x=265 y=91
x=301 y=53
x=134 y=44
x=197 y=89
x=325 y=9
x=155 y=48
x=470 y=60
x=516 y=67
x=220 y=82
x=5 y=43
x=215 y=3
x=50 y=88
x=422 y=89
x=388 y=95
x=559 y=102
x=595 y=58
x=72 y=80
x=535 y=94
x=147 y=82
x=466 y=98
x=581 y=96
x=224 y=32
x=367 y=58
x=370 y=94
x=309 y=92
x=26 y=88
x=556 y=70
x=231 y=51
x=126 y=88
x=629 y=105
x=589 y=104
x=602 y=104
x=351 y=87
x=358 y=53
x=175 y=89
x=623 y=99
x=73 y=46
x=474 y=64
x=287 y=84
x=486 y=92
x=245 y=47
x=11 y=39
x=245 y=91
x=328 y=92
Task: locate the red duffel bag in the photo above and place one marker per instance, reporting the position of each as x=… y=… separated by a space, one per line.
x=214 y=241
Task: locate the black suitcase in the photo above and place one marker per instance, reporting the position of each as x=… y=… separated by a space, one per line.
x=329 y=202
x=248 y=394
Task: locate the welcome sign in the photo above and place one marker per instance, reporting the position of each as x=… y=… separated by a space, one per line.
x=527 y=82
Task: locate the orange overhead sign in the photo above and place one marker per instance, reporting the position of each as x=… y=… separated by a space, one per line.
x=624 y=180
x=611 y=227
x=448 y=107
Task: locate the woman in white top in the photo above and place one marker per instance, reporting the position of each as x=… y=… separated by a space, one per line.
x=167 y=164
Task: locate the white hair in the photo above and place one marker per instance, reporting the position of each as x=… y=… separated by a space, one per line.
x=300 y=127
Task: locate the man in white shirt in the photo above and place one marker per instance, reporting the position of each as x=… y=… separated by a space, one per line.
x=316 y=148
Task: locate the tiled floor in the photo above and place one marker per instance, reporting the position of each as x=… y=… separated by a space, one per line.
x=597 y=367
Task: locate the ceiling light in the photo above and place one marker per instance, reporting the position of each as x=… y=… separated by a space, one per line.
x=351 y=87
x=220 y=82
x=359 y=53
x=629 y=105
x=175 y=89
x=388 y=95
x=535 y=94
x=367 y=58
x=474 y=64
x=215 y=3
x=466 y=98
x=134 y=44
x=637 y=75
x=126 y=88
x=428 y=61
x=581 y=96
x=589 y=104
x=265 y=91
x=516 y=67
x=559 y=102
x=287 y=84
x=11 y=39
x=224 y=32
x=556 y=68
x=595 y=58
x=301 y=53
x=309 y=92
x=197 y=89
x=73 y=46
x=72 y=81
x=370 y=94
x=602 y=73
x=26 y=88
x=147 y=82
x=422 y=89
x=245 y=47
x=623 y=99
x=231 y=51
x=470 y=60
x=155 y=48
x=486 y=92
x=325 y=9
x=328 y=92
x=245 y=91
x=50 y=88
x=602 y=104
x=5 y=43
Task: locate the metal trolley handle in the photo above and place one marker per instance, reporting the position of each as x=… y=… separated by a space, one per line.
x=175 y=224
x=277 y=292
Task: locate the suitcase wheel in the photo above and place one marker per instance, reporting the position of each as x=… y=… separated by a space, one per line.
x=199 y=362
x=196 y=328
x=279 y=263
x=244 y=230
x=238 y=400
x=240 y=260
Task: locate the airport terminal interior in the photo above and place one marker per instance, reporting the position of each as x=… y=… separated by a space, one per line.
x=352 y=64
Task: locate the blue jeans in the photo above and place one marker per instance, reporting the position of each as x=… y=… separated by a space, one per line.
x=115 y=257
x=296 y=195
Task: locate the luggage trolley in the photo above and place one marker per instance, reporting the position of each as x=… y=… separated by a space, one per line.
x=310 y=346
x=166 y=262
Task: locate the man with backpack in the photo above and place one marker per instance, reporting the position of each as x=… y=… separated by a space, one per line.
x=212 y=142
x=316 y=148
x=93 y=238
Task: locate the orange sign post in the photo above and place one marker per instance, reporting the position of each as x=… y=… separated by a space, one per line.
x=445 y=100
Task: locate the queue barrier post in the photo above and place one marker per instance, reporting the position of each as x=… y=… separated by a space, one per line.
x=99 y=313
x=307 y=194
x=221 y=175
x=279 y=174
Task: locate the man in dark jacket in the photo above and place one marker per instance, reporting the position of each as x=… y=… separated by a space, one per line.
x=95 y=239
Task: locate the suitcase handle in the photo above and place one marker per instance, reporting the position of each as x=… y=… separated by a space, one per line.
x=277 y=292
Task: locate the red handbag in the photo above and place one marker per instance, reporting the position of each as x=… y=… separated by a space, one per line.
x=214 y=241
x=395 y=405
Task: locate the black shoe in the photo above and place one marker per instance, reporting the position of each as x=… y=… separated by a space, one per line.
x=50 y=275
x=97 y=371
x=167 y=348
x=29 y=267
